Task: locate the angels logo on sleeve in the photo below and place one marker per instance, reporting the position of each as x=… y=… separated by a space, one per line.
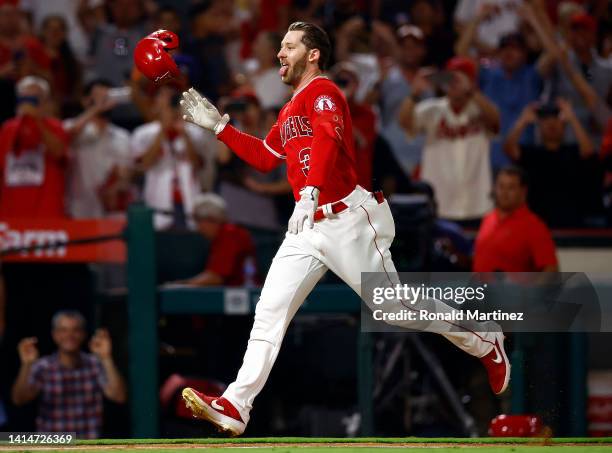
x=304 y=156
x=324 y=103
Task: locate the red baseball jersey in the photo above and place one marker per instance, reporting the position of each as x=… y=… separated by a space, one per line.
x=314 y=135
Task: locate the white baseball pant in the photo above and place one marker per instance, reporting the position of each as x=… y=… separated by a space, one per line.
x=354 y=241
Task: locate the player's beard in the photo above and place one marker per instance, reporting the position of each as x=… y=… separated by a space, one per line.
x=294 y=74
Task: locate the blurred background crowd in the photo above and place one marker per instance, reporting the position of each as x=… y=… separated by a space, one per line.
x=497 y=113
x=538 y=73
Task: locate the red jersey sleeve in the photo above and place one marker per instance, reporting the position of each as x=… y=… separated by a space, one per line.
x=542 y=246
x=325 y=107
x=264 y=155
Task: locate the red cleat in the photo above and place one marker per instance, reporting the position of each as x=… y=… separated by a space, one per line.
x=497 y=365
x=219 y=411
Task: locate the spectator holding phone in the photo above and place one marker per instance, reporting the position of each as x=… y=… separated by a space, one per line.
x=508 y=80
x=99 y=172
x=558 y=172
x=33 y=152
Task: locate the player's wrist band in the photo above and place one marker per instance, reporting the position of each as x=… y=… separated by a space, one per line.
x=221 y=124
x=311 y=192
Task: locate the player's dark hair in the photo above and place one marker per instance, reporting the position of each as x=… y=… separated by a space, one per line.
x=513 y=170
x=314 y=38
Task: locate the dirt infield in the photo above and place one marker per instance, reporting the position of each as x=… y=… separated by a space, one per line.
x=320 y=445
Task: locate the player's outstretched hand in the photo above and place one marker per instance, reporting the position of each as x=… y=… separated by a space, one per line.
x=199 y=110
x=304 y=210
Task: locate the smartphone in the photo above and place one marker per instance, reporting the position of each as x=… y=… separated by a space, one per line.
x=440 y=79
x=121 y=95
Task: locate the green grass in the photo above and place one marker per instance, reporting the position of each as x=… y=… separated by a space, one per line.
x=296 y=449
x=324 y=440
x=297 y=445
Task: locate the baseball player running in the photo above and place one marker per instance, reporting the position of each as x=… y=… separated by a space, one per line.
x=335 y=225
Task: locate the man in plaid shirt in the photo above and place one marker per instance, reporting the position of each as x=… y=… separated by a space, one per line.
x=71 y=383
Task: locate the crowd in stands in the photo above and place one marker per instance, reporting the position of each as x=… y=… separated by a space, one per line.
x=499 y=110
x=443 y=92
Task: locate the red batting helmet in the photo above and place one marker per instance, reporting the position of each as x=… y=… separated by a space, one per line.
x=152 y=58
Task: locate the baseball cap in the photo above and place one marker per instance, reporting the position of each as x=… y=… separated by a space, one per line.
x=513 y=39
x=585 y=21
x=410 y=31
x=464 y=65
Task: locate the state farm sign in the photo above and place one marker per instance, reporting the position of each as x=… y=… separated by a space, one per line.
x=43 y=240
x=38 y=237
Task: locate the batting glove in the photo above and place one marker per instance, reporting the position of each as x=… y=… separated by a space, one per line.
x=304 y=210
x=199 y=110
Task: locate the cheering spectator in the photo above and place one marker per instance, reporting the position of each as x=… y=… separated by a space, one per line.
x=404 y=78
x=168 y=18
x=99 y=173
x=439 y=35
x=499 y=18
x=65 y=69
x=113 y=43
x=173 y=154
x=80 y=17
x=580 y=75
x=366 y=49
x=266 y=83
x=71 y=383
x=559 y=173
x=211 y=23
x=510 y=82
x=20 y=55
x=253 y=197
x=456 y=154
x=33 y=151
x=511 y=238
x=231 y=260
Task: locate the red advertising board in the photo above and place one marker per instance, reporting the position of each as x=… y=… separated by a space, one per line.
x=43 y=233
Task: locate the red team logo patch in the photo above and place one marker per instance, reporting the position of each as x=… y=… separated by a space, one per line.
x=323 y=103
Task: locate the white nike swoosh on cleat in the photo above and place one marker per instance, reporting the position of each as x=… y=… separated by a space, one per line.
x=498 y=357
x=218 y=406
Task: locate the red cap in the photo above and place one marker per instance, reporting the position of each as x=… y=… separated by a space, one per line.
x=516 y=426
x=464 y=65
x=584 y=20
x=152 y=58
